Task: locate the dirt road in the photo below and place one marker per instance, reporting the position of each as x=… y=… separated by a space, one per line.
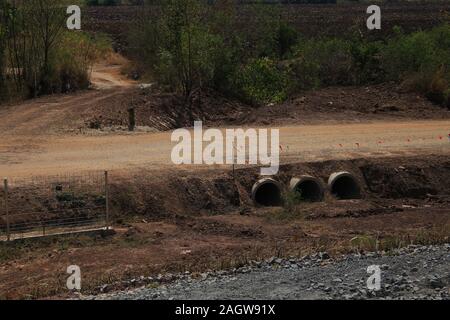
x=39 y=137
x=106 y=76
x=40 y=155
x=63 y=112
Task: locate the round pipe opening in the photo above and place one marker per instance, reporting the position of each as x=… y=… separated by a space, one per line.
x=309 y=188
x=267 y=193
x=344 y=186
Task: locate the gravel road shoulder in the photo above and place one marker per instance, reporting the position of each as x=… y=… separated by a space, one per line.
x=414 y=272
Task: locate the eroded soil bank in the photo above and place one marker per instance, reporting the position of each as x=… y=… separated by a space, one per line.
x=384 y=182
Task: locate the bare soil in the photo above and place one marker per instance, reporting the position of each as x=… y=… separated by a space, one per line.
x=163 y=111
x=53 y=154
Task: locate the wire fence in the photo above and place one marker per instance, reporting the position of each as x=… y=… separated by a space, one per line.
x=43 y=206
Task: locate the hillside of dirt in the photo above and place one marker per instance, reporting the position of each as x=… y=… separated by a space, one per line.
x=162 y=111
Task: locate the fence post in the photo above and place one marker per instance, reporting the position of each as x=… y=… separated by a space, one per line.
x=131 y=119
x=107 y=200
x=8 y=231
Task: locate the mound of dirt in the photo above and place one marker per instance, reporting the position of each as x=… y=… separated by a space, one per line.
x=349 y=104
x=163 y=111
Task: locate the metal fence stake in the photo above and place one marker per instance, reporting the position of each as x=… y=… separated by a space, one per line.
x=107 y=200
x=8 y=232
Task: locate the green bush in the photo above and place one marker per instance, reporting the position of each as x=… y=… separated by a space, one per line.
x=262 y=82
x=286 y=38
x=407 y=54
x=324 y=62
x=196 y=61
x=421 y=60
x=366 y=61
x=437 y=88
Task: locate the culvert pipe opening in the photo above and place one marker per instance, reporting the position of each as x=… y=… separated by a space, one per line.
x=344 y=186
x=309 y=188
x=267 y=193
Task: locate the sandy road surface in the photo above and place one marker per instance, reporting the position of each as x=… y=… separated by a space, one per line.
x=105 y=76
x=36 y=155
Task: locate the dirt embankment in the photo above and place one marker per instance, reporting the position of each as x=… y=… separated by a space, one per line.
x=105 y=110
x=162 y=111
x=387 y=185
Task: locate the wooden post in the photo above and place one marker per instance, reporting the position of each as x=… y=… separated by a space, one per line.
x=131 y=119
x=235 y=151
x=8 y=231
x=107 y=200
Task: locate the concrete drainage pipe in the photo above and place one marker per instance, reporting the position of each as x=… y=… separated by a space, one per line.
x=267 y=193
x=309 y=188
x=344 y=186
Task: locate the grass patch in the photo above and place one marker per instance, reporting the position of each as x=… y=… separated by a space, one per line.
x=291 y=208
x=388 y=243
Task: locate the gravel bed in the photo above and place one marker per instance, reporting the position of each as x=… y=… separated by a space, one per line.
x=415 y=272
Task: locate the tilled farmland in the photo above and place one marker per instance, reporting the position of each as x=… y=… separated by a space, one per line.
x=310 y=20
